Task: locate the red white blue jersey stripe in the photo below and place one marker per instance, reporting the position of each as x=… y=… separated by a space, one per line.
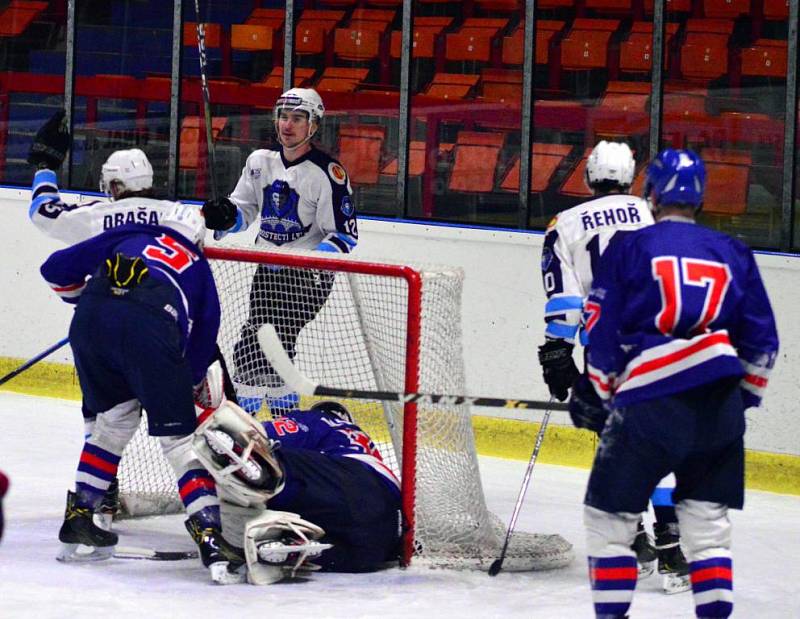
x=675 y=306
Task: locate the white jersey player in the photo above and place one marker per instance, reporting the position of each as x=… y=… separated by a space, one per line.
x=301 y=199
x=126 y=178
x=574 y=241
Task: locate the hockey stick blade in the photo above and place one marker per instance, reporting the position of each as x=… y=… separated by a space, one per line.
x=149 y=554
x=276 y=355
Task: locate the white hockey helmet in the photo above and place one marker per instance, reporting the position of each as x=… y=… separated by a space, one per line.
x=610 y=163
x=188 y=220
x=127 y=170
x=301 y=99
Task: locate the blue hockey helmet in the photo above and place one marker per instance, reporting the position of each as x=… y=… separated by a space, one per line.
x=676 y=177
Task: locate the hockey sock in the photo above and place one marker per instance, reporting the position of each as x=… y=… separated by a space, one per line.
x=198 y=492
x=97 y=468
x=712 y=587
x=613 y=580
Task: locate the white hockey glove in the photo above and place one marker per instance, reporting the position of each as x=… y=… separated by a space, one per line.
x=278 y=544
x=236 y=451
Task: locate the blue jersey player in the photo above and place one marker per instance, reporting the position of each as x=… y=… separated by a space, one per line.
x=143 y=334
x=681 y=341
x=319 y=465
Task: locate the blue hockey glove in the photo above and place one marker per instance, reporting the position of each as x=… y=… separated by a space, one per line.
x=558 y=367
x=585 y=407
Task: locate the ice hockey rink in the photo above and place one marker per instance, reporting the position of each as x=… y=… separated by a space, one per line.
x=39 y=447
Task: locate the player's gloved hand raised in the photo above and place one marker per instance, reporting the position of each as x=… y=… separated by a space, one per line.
x=558 y=367
x=585 y=407
x=51 y=143
x=220 y=214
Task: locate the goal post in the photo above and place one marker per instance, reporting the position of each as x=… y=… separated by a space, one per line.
x=387 y=327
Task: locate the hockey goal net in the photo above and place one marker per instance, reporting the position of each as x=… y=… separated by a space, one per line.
x=383 y=327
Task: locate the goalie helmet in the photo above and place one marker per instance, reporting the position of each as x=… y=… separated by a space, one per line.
x=124 y=171
x=676 y=177
x=333 y=409
x=610 y=164
x=188 y=220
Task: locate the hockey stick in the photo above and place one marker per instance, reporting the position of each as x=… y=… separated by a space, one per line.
x=497 y=564
x=276 y=355
x=201 y=50
x=149 y=554
x=33 y=361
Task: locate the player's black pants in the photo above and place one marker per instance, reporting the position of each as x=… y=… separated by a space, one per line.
x=287 y=298
x=130 y=348
x=358 y=510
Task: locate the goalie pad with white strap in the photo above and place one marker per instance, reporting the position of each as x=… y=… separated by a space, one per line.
x=279 y=544
x=209 y=393
x=236 y=451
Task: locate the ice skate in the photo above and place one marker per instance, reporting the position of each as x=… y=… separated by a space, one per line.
x=672 y=564
x=225 y=562
x=646 y=554
x=81 y=538
x=109 y=507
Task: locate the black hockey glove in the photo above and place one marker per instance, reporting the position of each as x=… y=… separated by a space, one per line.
x=585 y=407
x=558 y=367
x=51 y=143
x=220 y=214
x=125 y=272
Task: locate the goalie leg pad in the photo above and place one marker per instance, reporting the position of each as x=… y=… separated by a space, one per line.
x=278 y=544
x=210 y=392
x=236 y=451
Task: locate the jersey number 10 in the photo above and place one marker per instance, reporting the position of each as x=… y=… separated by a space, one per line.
x=674 y=276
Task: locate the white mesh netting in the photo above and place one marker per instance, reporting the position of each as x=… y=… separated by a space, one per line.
x=358 y=340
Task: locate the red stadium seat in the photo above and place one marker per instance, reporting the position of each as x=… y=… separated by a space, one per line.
x=473 y=168
x=503 y=85
x=191 y=129
x=213 y=34
x=416 y=161
x=359 y=16
x=268 y=17
x=726 y=9
x=610 y=6
x=499 y=6
x=253 y=37
x=673 y=6
x=357 y=44
x=545 y=161
x=302 y=77
x=727 y=181
x=776 y=10
x=766 y=57
x=17 y=16
x=575 y=185
x=704 y=54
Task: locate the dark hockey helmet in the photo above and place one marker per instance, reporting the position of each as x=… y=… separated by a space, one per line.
x=333 y=409
x=676 y=177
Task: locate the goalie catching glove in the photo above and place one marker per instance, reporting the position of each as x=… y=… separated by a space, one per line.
x=237 y=453
x=51 y=143
x=558 y=367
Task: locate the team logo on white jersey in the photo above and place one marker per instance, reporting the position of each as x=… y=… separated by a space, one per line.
x=337 y=173
x=280 y=221
x=255 y=173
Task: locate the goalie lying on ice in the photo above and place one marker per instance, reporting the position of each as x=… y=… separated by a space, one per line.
x=331 y=498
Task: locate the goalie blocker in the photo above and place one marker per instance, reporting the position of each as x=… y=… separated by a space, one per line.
x=331 y=499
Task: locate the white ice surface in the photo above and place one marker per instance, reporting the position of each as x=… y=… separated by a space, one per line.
x=39 y=445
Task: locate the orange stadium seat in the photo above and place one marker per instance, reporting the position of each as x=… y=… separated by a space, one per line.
x=635 y=53
x=766 y=57
x=253 y=37
x=360 y=152
x=302 y=77
x=452 y=85
x=492 y=24
x=416 y=161
x=213 y=34
x=473 y=45
x=727 y=181
x=358 y=44
x=673 y=6
x=311 y=32
x=586 y=45
x=475 y=159
x=575 y=185
x=359 y=16
x=704 y=54
x=423 y=42
x=545 y=161
x=267 y=17
x=503 y=85
x=192 y=128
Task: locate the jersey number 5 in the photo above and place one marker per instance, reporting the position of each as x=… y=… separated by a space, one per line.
x=171 y=253
x=713 y=276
